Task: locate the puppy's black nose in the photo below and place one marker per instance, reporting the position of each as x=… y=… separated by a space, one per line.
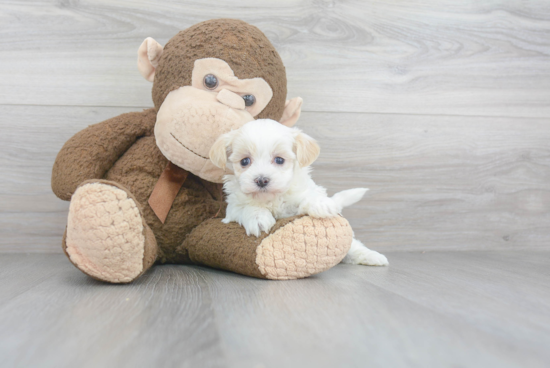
x=261 y=181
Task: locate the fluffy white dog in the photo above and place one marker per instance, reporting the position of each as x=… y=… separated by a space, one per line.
x=272 y=181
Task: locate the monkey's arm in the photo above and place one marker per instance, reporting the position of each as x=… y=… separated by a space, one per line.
x=90 y=153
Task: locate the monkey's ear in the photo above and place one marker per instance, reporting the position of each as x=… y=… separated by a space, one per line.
x=148 y=58
x=307 y=149
x=293 y=108
x=219 y=151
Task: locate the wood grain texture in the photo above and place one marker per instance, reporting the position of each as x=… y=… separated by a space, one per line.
x=433 y=309
x=67 y=320
x=435 y=182
x=416 y=57
x=440 y=107
x=439 y=182
x=31 y=217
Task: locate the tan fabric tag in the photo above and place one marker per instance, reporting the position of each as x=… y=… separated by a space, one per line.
x=166 y=189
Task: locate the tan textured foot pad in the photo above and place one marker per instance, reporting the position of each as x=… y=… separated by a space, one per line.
x=105 y=233
x=304 y=247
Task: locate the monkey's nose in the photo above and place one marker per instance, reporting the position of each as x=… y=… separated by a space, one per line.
x=231 y=99
x=261 y=181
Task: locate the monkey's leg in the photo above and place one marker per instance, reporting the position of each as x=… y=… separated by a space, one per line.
x=295 y=248
x=106 y=236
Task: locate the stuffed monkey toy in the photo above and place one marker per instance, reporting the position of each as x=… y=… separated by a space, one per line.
x=142 y=189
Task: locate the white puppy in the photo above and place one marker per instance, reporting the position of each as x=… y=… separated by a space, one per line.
x=272 y=181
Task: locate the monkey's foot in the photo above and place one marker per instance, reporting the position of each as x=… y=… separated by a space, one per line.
x=106 y=236
x=304 y=247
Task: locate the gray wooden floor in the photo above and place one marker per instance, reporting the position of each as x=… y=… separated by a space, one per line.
x=432 y=309
x=441 y=107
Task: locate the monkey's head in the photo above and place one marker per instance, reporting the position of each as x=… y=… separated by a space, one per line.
x=209 y=79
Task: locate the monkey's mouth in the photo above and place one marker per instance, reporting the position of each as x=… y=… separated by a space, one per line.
x=187 y=148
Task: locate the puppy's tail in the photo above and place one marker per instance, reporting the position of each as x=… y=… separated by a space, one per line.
x=348 y=197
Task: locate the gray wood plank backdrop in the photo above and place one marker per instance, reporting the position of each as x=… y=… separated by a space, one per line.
x=442 y=108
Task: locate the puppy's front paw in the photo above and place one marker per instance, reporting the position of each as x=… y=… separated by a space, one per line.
x=321 y=207
x=262 y=221
x=266 y=222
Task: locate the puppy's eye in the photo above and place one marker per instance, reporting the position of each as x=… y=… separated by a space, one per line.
x=279 y=160
x=245 y=162
x=210 y=81
x=249 y=100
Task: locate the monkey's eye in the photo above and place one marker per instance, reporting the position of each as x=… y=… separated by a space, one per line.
x=279 y=160
x=245 y=162
x=249 y=100
x=210 y=81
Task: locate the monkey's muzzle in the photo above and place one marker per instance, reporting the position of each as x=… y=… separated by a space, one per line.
x=189 y=122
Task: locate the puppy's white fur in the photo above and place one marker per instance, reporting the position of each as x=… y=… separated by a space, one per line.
x=271 y=180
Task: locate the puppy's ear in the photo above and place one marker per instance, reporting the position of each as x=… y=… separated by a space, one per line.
x=307 y=149
x=218 y=152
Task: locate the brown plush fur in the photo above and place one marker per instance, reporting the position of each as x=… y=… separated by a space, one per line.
x=204 y=246
x=123 y=151
x=136 y=164
x=245 y=48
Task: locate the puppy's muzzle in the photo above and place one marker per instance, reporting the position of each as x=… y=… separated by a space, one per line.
x=261 y=181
